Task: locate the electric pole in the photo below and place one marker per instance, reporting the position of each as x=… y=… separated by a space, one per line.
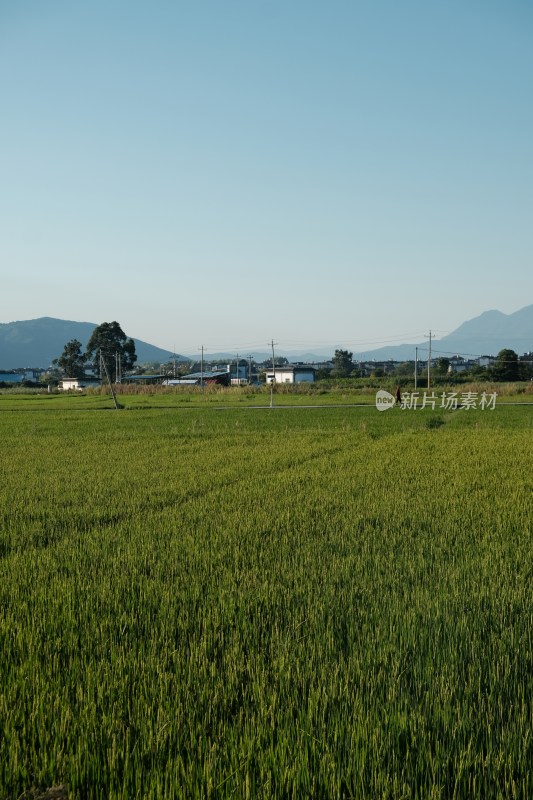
x=103 y=366
x=273 y=376
x=429 y=361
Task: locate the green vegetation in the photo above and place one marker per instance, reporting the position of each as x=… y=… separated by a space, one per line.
x=349 y=392
x=109 y=354
x=72 y=360
x=304 y=602
x=109 y=350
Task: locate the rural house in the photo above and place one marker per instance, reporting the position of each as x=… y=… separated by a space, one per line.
x=292 y=373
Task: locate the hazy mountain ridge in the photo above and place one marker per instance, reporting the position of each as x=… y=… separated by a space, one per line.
x=35 y=343
x=485 y=334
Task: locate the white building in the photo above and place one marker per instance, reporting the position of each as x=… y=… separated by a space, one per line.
x=70 y=385
x=291 y=374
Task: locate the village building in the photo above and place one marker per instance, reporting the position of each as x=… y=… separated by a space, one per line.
x=70 y=385
x=205 y=378
x=291 y=373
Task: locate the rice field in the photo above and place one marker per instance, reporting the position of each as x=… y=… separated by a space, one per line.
x=198 y=602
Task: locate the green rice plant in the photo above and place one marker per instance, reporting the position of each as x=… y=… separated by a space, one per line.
x=320 y=602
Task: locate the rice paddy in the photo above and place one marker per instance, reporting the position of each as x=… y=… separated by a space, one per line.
x=254 y=603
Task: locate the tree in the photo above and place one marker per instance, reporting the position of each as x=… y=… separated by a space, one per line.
x=506 y=366
x=322 y=373
x=72 y=361
x=342 y=364
x=405 y=369
x=109 y=341
x=479 y=373
x=443 y=366
x=525 y=367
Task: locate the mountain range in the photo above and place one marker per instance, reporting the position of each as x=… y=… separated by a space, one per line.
x=36 y=342
x=486 y=334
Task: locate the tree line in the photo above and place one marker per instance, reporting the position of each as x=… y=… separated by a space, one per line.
x=110 y=349
x=507 y=366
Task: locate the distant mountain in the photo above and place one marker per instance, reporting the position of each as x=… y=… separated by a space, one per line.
x=486 y=334
x=492 y=331
x=36 y=342
x=266 y=356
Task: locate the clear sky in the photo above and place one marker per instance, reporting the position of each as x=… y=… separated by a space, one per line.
x=227 y=172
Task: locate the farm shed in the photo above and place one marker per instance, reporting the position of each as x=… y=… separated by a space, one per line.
x=196 y=378
x=70 y=385
x=144 y=379
x=293 y=373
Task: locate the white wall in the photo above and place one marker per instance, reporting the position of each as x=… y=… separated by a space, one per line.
x=289 y=376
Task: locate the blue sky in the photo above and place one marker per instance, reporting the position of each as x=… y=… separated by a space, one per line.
x=227 y=172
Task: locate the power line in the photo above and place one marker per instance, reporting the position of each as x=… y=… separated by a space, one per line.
x=231 y=347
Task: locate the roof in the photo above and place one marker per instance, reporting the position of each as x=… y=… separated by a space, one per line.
x=294 y=368
x=205 y=375
x=143 y=377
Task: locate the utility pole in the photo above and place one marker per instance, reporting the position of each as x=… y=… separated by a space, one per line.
x=103 y=366
x=250 y=368
x=429 y=361
x=416 y=365
x=237 y=373
x=273 y=376
x=202 y=367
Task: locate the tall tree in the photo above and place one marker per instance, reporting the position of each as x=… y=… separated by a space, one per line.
x=525 y=367
x=443 y=366
x=342 y=363
x=506 y=366
x=72 y=361
x=108 y=341
x=405 y=369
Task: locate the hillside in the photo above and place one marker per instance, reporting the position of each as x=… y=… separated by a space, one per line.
x=492 y=331
x=486 y=334
x=36 y=342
